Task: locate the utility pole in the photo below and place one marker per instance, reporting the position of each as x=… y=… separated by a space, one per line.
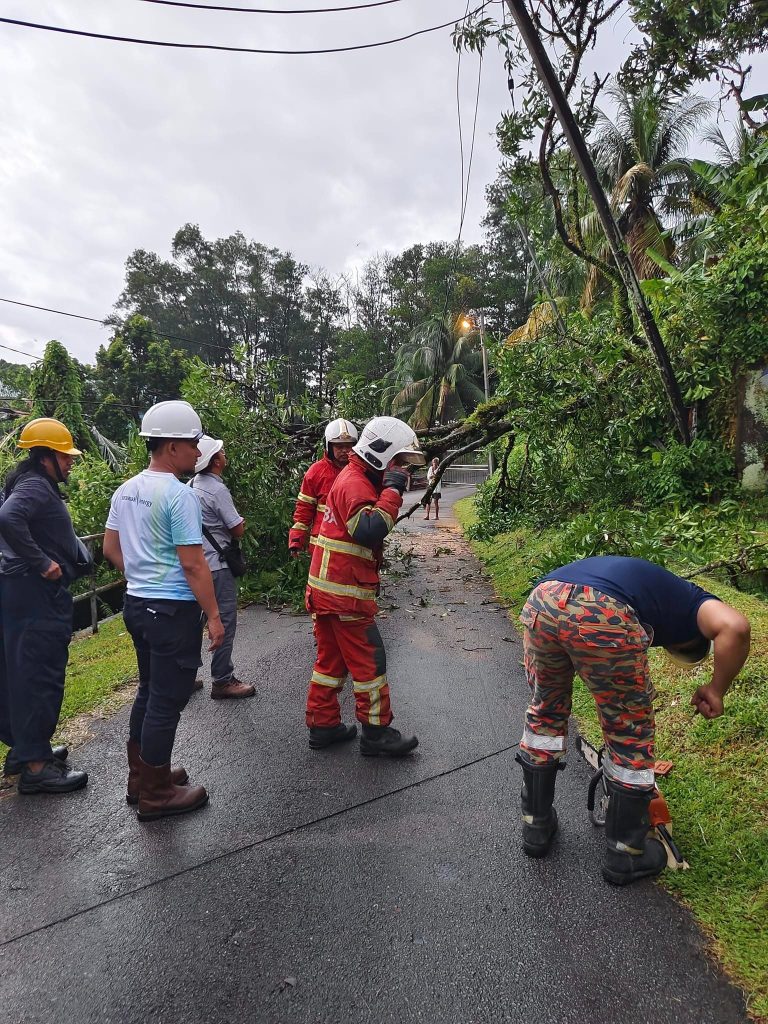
x=581 y=155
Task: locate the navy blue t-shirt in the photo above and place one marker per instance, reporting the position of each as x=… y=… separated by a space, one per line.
x=659 y=598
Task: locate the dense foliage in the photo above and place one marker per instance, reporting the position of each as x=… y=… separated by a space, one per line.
x=593 y=443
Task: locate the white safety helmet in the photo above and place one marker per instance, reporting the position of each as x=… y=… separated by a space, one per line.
x=384 y=438
x=339 y=432
x=208 y=447
x=171 y=420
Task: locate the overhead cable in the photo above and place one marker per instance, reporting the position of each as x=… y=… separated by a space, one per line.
x=20 y=352
x=268 y=10
x=95 y=320
x=238 y=49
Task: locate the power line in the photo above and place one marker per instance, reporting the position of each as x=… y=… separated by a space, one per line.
x=268 y=10
x=450 y=280
x=20 y=352
x=92 y=319
x=238 y=49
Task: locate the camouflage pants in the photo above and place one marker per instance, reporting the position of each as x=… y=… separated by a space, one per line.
x=572 y=629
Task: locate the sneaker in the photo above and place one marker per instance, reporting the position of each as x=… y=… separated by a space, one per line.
x=53 y=777
x=383 y=739
x=197 y=685
x=324 y=736
x=13 y=766
x=232 y=690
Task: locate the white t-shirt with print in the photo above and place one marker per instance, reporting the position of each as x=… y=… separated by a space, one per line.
x=154 y=513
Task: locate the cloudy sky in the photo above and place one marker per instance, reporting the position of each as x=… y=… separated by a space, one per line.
x=108 y=147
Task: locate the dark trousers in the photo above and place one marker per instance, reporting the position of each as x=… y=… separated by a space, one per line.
x=167 y=636
x=35 y=630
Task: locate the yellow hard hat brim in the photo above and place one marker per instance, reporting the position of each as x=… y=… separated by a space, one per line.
x=55 y=446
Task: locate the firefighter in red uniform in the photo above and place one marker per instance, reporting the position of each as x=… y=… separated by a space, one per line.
x=343 y=582
x=340 y=435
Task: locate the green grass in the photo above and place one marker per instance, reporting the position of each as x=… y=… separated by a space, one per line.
x=98 y=666
x=718 y=790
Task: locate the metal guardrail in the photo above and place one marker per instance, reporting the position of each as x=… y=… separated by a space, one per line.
x=92 y=594
x=473 y=469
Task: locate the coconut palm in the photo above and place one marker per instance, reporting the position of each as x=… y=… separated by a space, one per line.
x=437 y=374
x=641 y=154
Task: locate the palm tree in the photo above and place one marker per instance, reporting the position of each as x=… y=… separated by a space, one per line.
x=641 y=155
x=437 y=375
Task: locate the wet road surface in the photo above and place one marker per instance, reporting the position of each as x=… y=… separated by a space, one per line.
x=321 y=886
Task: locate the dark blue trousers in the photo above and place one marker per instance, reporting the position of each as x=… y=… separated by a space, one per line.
x=35 y=630
x=167 y=636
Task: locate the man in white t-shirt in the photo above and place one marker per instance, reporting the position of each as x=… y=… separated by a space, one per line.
x=223 y=523
x=154 y=536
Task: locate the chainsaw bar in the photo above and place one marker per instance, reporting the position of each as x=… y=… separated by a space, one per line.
x=597 y=804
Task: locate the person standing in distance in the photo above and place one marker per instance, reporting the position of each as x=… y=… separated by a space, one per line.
x=438 y=492
x=154 y=536
x=224 y=524
x=41 y=556
x=340 y=436
x=343 y=583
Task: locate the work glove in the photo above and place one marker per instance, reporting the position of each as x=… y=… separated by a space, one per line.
x=396 y=478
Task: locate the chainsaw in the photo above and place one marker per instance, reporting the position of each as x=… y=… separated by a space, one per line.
x=597 y=803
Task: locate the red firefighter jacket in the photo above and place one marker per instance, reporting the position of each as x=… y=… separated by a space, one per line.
x=344 y=574
x=310 y=504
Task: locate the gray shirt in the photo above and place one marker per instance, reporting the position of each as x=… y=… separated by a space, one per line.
x=219 y=515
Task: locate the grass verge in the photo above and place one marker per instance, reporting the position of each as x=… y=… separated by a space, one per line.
x=98 y=666
x=718 y=791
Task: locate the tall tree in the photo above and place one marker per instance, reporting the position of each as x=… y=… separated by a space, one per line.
x=57 y=391
x=437 y=374
x=641 y=151
x=133 y=372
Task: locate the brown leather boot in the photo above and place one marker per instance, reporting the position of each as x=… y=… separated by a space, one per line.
x=232 y=690
x=158 y=797
x=179 y=776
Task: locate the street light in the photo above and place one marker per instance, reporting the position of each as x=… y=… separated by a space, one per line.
x=468 y=325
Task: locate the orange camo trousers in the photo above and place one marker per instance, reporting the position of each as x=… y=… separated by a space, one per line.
x=573 y=629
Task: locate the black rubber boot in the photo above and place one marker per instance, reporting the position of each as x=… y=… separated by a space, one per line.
x=13 y=766
x=53 y=777
x=324 y=736
x=383 y=739
x=536 y=798
x=630 y=854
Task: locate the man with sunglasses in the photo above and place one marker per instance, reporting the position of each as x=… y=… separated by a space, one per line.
x=154 y=536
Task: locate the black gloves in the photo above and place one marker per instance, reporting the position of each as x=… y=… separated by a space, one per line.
x=397 y=478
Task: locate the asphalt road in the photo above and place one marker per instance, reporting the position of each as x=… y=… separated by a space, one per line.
x=320 y=886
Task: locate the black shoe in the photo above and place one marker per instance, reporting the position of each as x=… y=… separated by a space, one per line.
x=320 y=736
x=383 y=739
x=13 y=766
x=53 y=777
x=630 y=853
x=536 y=798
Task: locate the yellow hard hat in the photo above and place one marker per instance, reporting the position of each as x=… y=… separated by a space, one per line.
x=48 y=433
